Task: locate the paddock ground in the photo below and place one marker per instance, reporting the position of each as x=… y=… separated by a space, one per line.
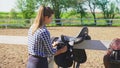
x=15 y=56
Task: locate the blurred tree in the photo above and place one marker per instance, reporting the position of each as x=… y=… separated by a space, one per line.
x=59 y=6
x=27 y=7
x=13 y=14
x=109 y=10
x=93 y=5
x=68 y=14
x=82 y=10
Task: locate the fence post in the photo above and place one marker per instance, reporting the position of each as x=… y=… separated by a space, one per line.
x=6 y=26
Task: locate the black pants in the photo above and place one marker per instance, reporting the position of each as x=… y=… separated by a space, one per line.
x=37 y=62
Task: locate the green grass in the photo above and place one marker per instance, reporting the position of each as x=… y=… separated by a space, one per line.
x=13 y=23
x=71 y=20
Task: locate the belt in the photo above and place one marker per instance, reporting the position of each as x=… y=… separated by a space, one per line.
x=36 y=56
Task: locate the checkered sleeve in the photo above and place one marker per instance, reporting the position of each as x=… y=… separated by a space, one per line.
x=48 y=49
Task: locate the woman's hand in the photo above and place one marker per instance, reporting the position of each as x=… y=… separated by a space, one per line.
x=54 y=44
x=62 y=50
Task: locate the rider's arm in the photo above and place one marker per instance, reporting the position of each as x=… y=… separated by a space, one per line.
x=62 y=50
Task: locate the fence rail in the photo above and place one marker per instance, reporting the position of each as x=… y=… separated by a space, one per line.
x=5 y=23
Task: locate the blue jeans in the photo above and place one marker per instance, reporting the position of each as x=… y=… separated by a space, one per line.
x=35 y=62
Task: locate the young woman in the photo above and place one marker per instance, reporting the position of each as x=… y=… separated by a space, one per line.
x=39 y=43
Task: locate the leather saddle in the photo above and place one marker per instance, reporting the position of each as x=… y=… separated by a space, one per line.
x=71 y=55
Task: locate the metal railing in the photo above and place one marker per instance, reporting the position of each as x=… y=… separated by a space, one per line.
x=22 y=23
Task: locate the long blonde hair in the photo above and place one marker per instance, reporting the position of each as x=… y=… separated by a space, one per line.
x=39 y=20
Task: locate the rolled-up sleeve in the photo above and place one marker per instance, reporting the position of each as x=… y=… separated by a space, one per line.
x=47 y=44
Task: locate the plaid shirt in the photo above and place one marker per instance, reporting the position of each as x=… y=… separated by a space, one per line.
x=40 y=43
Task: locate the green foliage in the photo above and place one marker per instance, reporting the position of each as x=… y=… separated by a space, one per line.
x=80 y=9
x=109 y=9
x=13 y=14
x=4 y=15
x=13 y=23
x=27 y=8
x=93 y=5
x=68 y=14
x=59 y=6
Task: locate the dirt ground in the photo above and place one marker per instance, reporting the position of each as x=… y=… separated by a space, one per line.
x=15 y=56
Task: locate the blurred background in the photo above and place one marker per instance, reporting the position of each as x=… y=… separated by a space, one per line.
x=21 y=13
